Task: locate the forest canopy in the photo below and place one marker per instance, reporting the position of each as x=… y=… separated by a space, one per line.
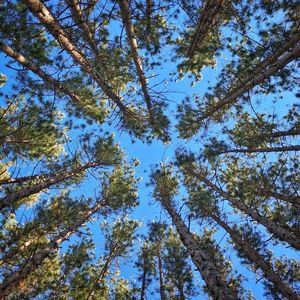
x=149 y=149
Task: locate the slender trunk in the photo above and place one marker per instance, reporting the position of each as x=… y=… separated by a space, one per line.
x=262 y=150
x=267 y=68
x=40 y=11
x=11 y=282
x=215 y=281
x=273 y=135
x=126 y=16
x=181 y=291
x=206 y=19
x=32 y=67
x=161 y=275
x=100 y=278
x=78 y=17
x=258 y=260
x=278 y=231
x=143 y=288
x=13 y=197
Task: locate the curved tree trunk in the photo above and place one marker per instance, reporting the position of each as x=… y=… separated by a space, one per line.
x=258 y=260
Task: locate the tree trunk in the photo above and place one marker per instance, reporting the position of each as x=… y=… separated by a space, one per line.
x=32 y=67
x=295 y=200
x=40 y=11
x=11 y=282
x=45 y=182
x=215 y=281
x=262 y=150
x=161 y=275
x=143 y=287
x=278 y=231
x=78 y=17
x=208 y=13
x=267 y=68
x=126 y=16
x=258 y=260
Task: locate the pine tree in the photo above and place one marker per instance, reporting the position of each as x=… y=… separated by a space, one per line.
x=75 y=73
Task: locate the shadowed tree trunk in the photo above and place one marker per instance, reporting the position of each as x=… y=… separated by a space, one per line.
x=32 y=67
x=278 y=231
x=44 y=182
x=258 y=260
x=215 y=281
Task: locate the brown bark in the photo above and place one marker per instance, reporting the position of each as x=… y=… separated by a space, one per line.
x=214 y=279
x=267 y=68
x=79 y=18
x=278 y=231
x=126 y=16
x=40 y=11
x=262 y=150
x=11 y=282
x=143 y=287
x=207 y=16
x=45 y=182
x=26 y=179
x=255 y=257
x=43 y=75
x=161 y=275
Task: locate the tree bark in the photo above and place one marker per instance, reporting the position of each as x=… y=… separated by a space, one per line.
x=143 y=287
x=215 y=281
x=126 y=16
x=161 y=275
x=10 y=283
x=258 y=260
x=267 y=68
x=78 y=17
x=40 y=11
x=43 y=75
x=45 y=182
x=262 y=150
x=278 y=231
x=207 y=16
